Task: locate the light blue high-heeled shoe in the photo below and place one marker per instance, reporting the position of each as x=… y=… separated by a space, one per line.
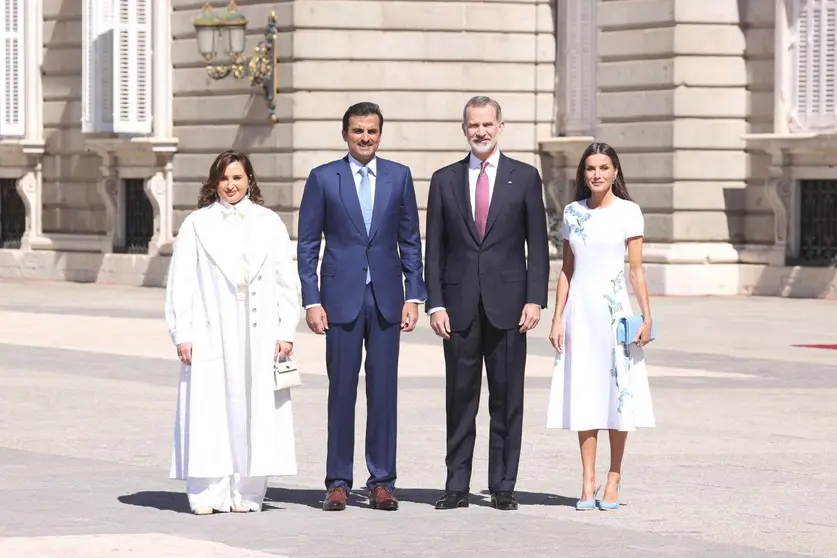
x=583 y=505
x=610 y=506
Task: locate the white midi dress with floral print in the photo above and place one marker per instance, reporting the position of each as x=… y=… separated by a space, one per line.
x=596 y=382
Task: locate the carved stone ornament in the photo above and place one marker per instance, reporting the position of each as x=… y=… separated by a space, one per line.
x=149 y=160
x=108 y=188
x=778 y=193
x=23 y=163
x=555 y=193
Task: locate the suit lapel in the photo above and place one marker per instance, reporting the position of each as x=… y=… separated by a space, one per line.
x=383 y=194
x=502 y=189
x=462 y=194
x=348 y=193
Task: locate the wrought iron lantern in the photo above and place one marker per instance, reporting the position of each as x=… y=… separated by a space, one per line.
x=226 y=34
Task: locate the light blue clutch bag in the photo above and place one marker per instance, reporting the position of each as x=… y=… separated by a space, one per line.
x=628 y=328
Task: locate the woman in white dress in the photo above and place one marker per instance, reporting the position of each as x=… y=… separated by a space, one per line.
x=598 y=384
x=232 y=307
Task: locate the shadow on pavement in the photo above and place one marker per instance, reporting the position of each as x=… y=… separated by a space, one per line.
x=310 y=497
x=313 y=498
x=539 y=499
x=158 y=499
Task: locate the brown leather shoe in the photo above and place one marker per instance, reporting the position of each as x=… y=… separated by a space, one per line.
x=335 y=499
x=382 y=498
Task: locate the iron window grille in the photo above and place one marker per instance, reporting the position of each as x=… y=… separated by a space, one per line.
x=138 y=218
x=818 y=222
x=12 y=215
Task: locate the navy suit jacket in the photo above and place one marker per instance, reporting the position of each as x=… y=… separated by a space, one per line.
x=330 y=207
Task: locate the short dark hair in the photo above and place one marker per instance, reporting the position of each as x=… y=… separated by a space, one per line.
x=364 y=108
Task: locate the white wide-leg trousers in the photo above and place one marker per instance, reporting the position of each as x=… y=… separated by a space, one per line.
x=231 y=493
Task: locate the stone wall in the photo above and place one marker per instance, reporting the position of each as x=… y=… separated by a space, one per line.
x=70 y=199
x=673 y=100
x=410 y=57
x=758 y=20
x=213 y=115
x=679 y=82
x=420 y=61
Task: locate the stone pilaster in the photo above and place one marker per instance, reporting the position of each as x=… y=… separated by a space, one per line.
x=428 y=59
x=672 y=81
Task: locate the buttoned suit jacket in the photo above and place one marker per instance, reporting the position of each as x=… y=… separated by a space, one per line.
x=391 y=251
x=509 y=267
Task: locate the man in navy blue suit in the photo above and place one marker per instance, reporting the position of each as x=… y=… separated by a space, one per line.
x=366 y=208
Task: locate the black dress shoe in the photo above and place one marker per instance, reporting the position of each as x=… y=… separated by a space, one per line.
x=503 y=501
x=452 y=500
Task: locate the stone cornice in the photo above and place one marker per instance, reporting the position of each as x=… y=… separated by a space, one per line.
x=792 y=142
x=117 y=145
x=24 y=146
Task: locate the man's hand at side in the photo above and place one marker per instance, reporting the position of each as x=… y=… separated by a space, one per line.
x=409 y=316
x=530 y=317
x=317 y=320
x=440 y=322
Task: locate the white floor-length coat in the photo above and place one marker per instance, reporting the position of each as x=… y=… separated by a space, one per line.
x=203 y=306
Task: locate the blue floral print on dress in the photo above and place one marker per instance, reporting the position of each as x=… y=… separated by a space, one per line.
x=575 y=220
x=614 y=307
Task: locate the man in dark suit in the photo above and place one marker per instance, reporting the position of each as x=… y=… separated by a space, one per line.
x=484 y=293
x=366 y=208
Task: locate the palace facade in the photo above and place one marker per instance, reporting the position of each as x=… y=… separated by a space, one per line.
x=724 y=113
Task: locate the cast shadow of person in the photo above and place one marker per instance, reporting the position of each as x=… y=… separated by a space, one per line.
x=278 y=497
x=426 y=496
x=177 y=502
x=162 y=500
x=358 y=497
x=538 y=499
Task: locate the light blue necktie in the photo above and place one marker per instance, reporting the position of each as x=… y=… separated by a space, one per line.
x=365 y=196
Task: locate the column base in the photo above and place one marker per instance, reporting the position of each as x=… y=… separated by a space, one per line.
x=721 y=269
x=84 y=267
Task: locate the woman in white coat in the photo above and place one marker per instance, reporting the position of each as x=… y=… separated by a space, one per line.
x=232 y=308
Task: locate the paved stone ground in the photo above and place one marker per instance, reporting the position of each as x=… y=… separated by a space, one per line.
x=741 y=464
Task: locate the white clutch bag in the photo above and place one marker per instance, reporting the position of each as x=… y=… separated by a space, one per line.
x=286 y=374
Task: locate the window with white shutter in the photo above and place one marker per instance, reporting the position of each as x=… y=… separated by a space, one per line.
x=132 y=68
x=116 y=95
x=12 y=95
x=97 y=64
x=814 y=55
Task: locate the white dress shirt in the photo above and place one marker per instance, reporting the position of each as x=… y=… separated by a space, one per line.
x=474 y=164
